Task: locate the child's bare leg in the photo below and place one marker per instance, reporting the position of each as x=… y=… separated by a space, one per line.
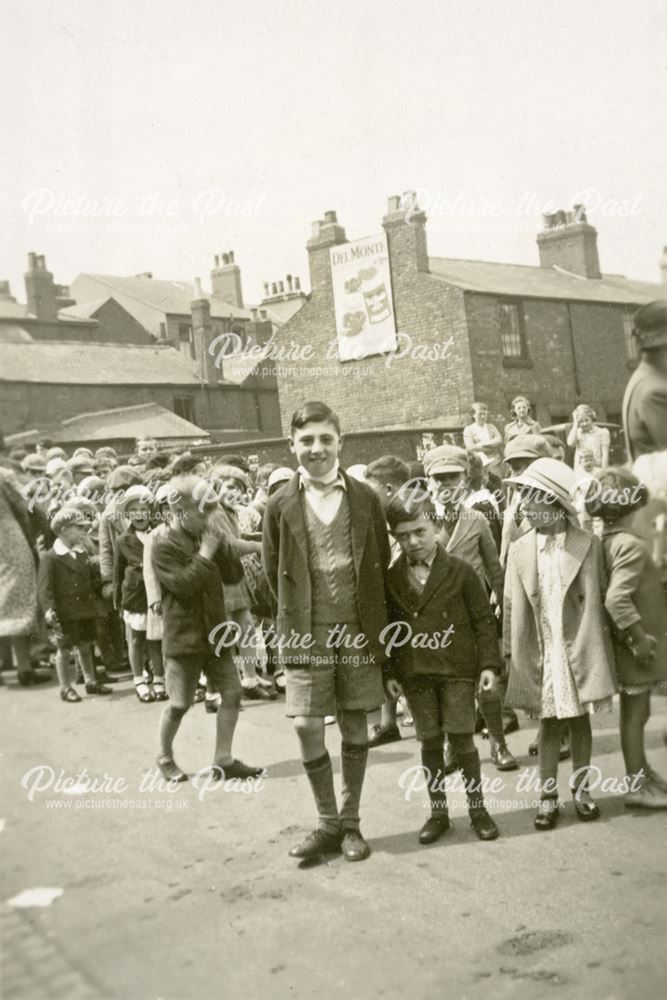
x=85 y=653
x=65 y=671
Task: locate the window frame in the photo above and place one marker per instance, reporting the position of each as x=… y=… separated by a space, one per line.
x=521 y=360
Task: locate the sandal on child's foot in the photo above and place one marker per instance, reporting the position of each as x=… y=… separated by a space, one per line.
x=160 y=693
x=96 y=687
x=547 y=814
x=170 y=770
x=143 y=692
x=69 y=694
x=584 y=806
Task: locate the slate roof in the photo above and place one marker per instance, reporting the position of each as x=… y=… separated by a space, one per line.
x=112 y=425
x=525 y=281
x=172 y=297
x=129 y=421
x=73 y=362
x=83 y=310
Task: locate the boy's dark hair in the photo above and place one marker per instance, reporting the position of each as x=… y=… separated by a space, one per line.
x=389 y=469
x=238 y=461
x=401 y=510
x=314 y=412
x=183 y=464
x=160 y=460
x=554 y=441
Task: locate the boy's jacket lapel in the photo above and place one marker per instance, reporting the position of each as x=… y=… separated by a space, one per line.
x=74 y=565
x=293 y=514
x=436 y=578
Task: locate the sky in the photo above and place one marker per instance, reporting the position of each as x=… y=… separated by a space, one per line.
x=149 y=136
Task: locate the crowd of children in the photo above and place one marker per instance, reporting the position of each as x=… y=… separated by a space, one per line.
x=546 y=593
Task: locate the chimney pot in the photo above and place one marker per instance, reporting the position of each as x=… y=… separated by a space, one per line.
x=297 y=284
x=32 y=261
x=274 y=288
x=580 y=213
x=266 y=289
x=253 y=313
x=281 y=287
x=225 y=258
x=263 y=314
x=289 y=282
x=216 y=260
x=199 y=294
x=330 y=217
x=231 y=256
x=393 y=203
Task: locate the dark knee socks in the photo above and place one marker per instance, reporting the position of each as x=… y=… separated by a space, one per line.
x=635 y=713
x=353 y=757
x=491 y=707
x=468 y=760
x=581 y=745
x=548 y=743
x=320 y=775
x=433 y=762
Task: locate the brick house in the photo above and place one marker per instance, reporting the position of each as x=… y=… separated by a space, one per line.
x=558 y=332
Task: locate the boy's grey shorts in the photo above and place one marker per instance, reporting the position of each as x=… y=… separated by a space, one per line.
x=182 y=674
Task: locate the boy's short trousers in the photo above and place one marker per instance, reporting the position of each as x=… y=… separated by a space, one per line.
x=77 y=631
x=182 y=674
x=336 y=680
x=441 y=705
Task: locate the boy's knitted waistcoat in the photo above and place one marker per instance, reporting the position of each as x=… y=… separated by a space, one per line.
x=330 y=559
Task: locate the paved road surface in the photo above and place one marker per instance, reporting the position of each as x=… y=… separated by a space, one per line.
x=190 y=896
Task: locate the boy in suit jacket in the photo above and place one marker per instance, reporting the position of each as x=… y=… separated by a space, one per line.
x=191 y=563
x=446 y=646
x=66 y=588
x=325 y=554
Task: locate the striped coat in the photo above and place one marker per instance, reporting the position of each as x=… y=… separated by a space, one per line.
x=585 y=626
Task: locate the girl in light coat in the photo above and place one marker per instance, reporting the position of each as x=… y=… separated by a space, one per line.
x=556 y=631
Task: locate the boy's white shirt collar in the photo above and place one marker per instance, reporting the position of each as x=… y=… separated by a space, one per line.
x=61 y=549
x=331 y=477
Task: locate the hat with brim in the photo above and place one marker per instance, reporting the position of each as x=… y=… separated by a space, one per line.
x=231 y=472
x=281 y=475
x=135 y=493
x=446 y=458
x=549 y=476
x=650 y=325
x=526 y=446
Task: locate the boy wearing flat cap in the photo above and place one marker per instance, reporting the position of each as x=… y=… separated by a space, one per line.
x=465 y=533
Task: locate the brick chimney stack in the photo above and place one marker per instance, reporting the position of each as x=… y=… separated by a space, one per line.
x=569 y=241
x=226 y=280
x=405 y=226
x=663 y=266
x=40 y=290
x=6 y=292
x=325 y=233
x=202 y=331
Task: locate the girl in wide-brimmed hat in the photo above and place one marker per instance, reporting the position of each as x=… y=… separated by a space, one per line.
x=130 y=589
x=556 y=631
